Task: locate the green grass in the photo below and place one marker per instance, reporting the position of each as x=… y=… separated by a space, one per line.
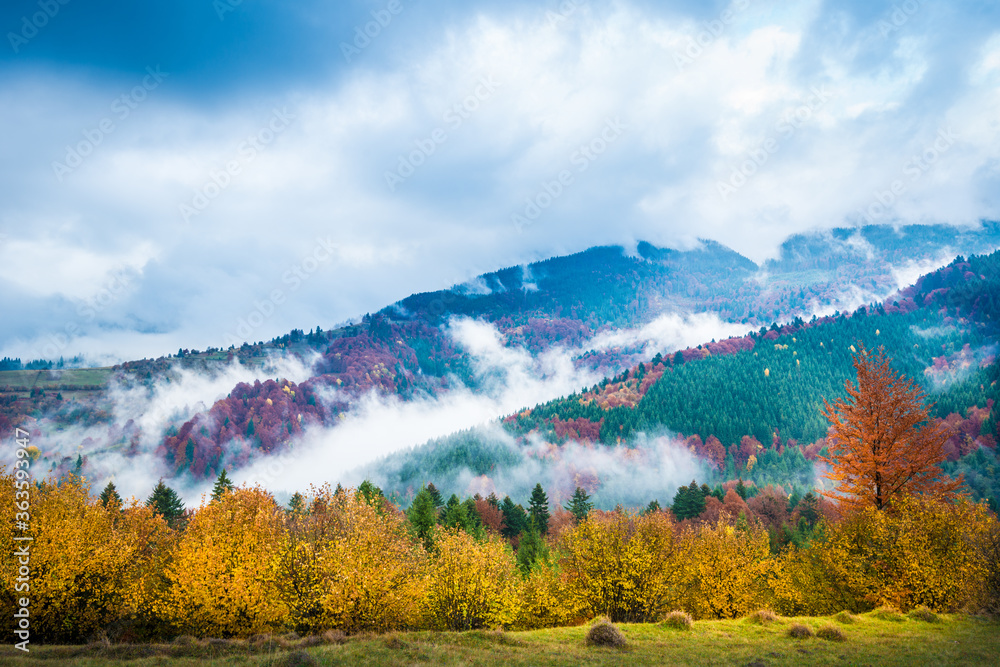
x=71 y=379
x=956 y=640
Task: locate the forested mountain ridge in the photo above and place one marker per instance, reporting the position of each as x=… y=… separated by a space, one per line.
x=407 y=349
x=751 y=408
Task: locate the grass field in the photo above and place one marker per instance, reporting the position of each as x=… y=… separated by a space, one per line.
x=869 y=640
x=69 y=379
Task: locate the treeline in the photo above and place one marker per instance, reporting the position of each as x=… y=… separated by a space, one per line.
x=240 y=564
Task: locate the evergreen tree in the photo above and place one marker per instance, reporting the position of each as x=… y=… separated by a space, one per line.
x=296 y=504
x=167 y=504
x=455 y=514
x=514 y=517
x=689 y=501
x=423 y=516
x=538 y=509
x=531 y=549
x=222 y=485
x=653 y=506
x=578 y=505
x=741 y=489
x=371 y=493
x=110 y=495
x=250 y=428
x=435 y=495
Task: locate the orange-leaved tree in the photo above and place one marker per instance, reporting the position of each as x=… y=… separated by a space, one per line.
x=881 y=442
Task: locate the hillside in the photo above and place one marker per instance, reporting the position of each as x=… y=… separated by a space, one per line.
x=408 y=350
x=749 y=407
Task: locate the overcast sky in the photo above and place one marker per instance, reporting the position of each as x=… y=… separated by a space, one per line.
x=171 y=167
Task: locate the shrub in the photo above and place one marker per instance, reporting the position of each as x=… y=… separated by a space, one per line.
x=680 y=620
x=924 y=614
x=604 y=633
x=763 y=617
x=887 y=613
x=830 y=633
x=184 y=640
x=845 y=617
x=799 y=631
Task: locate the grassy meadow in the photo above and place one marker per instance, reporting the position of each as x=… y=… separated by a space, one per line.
x=868 y=639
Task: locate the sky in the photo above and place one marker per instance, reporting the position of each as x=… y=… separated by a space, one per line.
x=174 y=170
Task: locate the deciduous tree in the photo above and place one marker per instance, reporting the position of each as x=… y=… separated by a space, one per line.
x=881 y=444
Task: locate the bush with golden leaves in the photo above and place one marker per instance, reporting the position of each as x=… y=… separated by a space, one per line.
x=473 y=583
x=621 y=566
x=352 y=565
x=921 y=552
x=223 y=580
x=726 y=570
x=90 y=567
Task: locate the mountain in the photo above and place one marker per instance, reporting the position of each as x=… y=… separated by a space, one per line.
x=746 y=408
x=409 y=350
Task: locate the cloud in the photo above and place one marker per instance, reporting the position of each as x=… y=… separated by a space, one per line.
x=840 y=106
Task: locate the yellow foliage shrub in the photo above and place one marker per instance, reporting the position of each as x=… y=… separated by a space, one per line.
x=223 y=580
x=90 y=567
x=727 y=571
x=473 y=584
x=351 y=565
x=621 y=566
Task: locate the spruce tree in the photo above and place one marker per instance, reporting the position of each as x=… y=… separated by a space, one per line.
x=578 y=505
x=514 y=517
x=372 y=494
x=222 y=485
x=455 y=515
x=531 y=549
x=538 y=509
x=435 y=495
x=110 y=495
x=423 y=516
x=167 y=504
x=296 y=504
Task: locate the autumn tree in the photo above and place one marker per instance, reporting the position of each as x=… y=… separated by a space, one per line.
x=881 y=444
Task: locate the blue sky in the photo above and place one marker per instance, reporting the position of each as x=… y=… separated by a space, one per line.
x=171 y=168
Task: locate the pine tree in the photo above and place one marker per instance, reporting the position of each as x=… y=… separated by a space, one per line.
x=296 y=504
x=167 y=504
x=531 y=549
x=222 y=485
x=110 y=495
x=372 y=494
x=423 y=516
x=455 y=515
x=514 y=517
x=538 y=509
x=653 y=506
x=435 y=495
x=578 y=505
x=741 y=489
